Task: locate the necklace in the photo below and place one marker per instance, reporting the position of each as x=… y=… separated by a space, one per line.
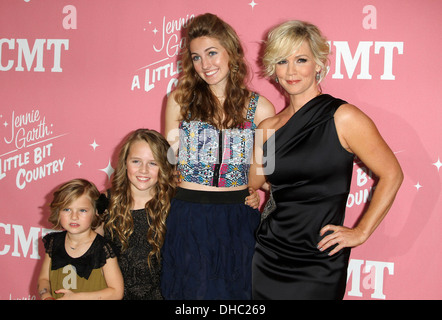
x=78 y=245
x=75 y=248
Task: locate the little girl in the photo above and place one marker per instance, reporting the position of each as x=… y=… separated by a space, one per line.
x=142 y=188
x=79 y=263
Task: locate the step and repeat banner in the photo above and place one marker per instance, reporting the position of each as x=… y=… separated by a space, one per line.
x=76 y=76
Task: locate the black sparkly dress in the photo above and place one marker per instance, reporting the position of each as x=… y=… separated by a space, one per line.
x=140 y=282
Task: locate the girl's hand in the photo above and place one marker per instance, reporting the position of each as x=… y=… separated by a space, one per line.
x=67 y=294
x=253 y=200
x=343 y=237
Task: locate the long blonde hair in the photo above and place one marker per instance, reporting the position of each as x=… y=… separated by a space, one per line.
x=120 y=222
x=193 y=93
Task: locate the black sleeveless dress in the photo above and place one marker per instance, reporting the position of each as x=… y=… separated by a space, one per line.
x=310 y=186
x=140 y=281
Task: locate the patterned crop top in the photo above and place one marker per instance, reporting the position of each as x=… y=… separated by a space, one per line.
x=222 y=160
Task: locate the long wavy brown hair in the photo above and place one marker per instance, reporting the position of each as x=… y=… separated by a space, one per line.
x=194 y=95
x=119 y=221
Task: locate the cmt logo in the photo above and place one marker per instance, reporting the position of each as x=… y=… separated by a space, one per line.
x=362 y=55
x=39 y=51
x=21 y=242
x=373 y=278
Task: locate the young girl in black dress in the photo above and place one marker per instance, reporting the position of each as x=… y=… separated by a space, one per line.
x=142 y=188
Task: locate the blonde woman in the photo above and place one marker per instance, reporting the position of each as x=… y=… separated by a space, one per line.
x=302 y=247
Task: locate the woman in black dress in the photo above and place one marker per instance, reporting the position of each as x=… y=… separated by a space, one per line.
x=303 y=249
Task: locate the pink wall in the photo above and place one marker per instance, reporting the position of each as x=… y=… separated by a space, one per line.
x=74 y=74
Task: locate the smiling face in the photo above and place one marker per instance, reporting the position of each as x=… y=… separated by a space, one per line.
x=297 y=73
x=210 y=60
x=142 y=168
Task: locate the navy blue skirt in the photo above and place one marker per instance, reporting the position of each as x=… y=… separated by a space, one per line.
x=209 y=245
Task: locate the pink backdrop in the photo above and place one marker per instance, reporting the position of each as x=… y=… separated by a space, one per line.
x=76 y=76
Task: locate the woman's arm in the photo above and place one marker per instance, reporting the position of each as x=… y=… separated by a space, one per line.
x=359 y=135
x=172 y=122
x=257 y=173
x=264 y=110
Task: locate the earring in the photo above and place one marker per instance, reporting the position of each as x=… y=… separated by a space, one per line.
x=277 y=80
x=318 y=76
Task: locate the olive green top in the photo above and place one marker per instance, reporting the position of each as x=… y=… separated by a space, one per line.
x=82 y=274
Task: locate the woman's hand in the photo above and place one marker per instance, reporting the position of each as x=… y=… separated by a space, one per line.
x=343 y=237
x=253 y=200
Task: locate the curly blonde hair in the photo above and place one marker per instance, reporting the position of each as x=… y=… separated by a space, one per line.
x=287 y=37
x=119 y=220
x=193 y=93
